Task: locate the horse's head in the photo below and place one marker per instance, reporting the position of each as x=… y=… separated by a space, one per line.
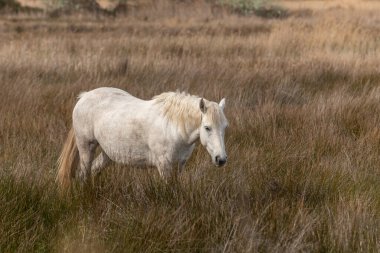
x=212 y=130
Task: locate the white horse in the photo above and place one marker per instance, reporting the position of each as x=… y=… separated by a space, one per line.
x=161 y=132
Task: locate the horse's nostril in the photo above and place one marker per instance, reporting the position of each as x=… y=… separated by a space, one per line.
x=220 y=161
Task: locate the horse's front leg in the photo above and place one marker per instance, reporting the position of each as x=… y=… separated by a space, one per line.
x=165 y=169
x=181 y=165
x=166 y=172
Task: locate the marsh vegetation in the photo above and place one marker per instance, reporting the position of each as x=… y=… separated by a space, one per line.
x=303 y=102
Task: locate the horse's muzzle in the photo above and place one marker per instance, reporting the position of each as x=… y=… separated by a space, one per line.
x=219 y=161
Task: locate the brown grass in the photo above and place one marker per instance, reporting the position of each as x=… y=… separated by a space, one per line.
x=303 y=102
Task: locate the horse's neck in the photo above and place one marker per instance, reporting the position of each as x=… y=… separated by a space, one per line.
x=193 y=136
x=190 y=132
x=192 y=127
x=181 y=111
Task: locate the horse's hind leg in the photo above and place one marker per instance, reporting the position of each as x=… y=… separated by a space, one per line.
x=86 y=153
x=100 y=162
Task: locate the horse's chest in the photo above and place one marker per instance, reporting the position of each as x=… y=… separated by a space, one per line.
x=185 y=152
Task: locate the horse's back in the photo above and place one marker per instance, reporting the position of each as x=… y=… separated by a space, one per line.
x=101 y=104
x=104 y=99
x=104 y=94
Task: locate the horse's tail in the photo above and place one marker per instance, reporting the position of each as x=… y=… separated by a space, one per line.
x=67 y=162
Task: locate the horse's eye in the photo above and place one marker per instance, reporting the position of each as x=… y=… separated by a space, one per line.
x=208 y=129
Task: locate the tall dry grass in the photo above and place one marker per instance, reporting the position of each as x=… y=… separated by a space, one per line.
x=303 y=101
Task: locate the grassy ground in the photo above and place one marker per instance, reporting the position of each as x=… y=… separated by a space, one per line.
x=303 y=101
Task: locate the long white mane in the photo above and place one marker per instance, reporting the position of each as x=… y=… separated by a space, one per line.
x=180 y=108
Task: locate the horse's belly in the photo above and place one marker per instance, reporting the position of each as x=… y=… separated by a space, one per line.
x=123 y=137
x=130 y=153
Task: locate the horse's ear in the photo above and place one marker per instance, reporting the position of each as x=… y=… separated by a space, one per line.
x=222 y=103
x=202 y=106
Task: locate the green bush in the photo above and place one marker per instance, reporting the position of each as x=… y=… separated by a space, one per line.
x=245 y=6
x=9 y=3
x=261 y=8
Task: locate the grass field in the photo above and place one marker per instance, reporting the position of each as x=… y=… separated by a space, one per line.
x=303 y=102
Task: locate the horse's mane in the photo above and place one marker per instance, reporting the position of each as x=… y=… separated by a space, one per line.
x=180 y=108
